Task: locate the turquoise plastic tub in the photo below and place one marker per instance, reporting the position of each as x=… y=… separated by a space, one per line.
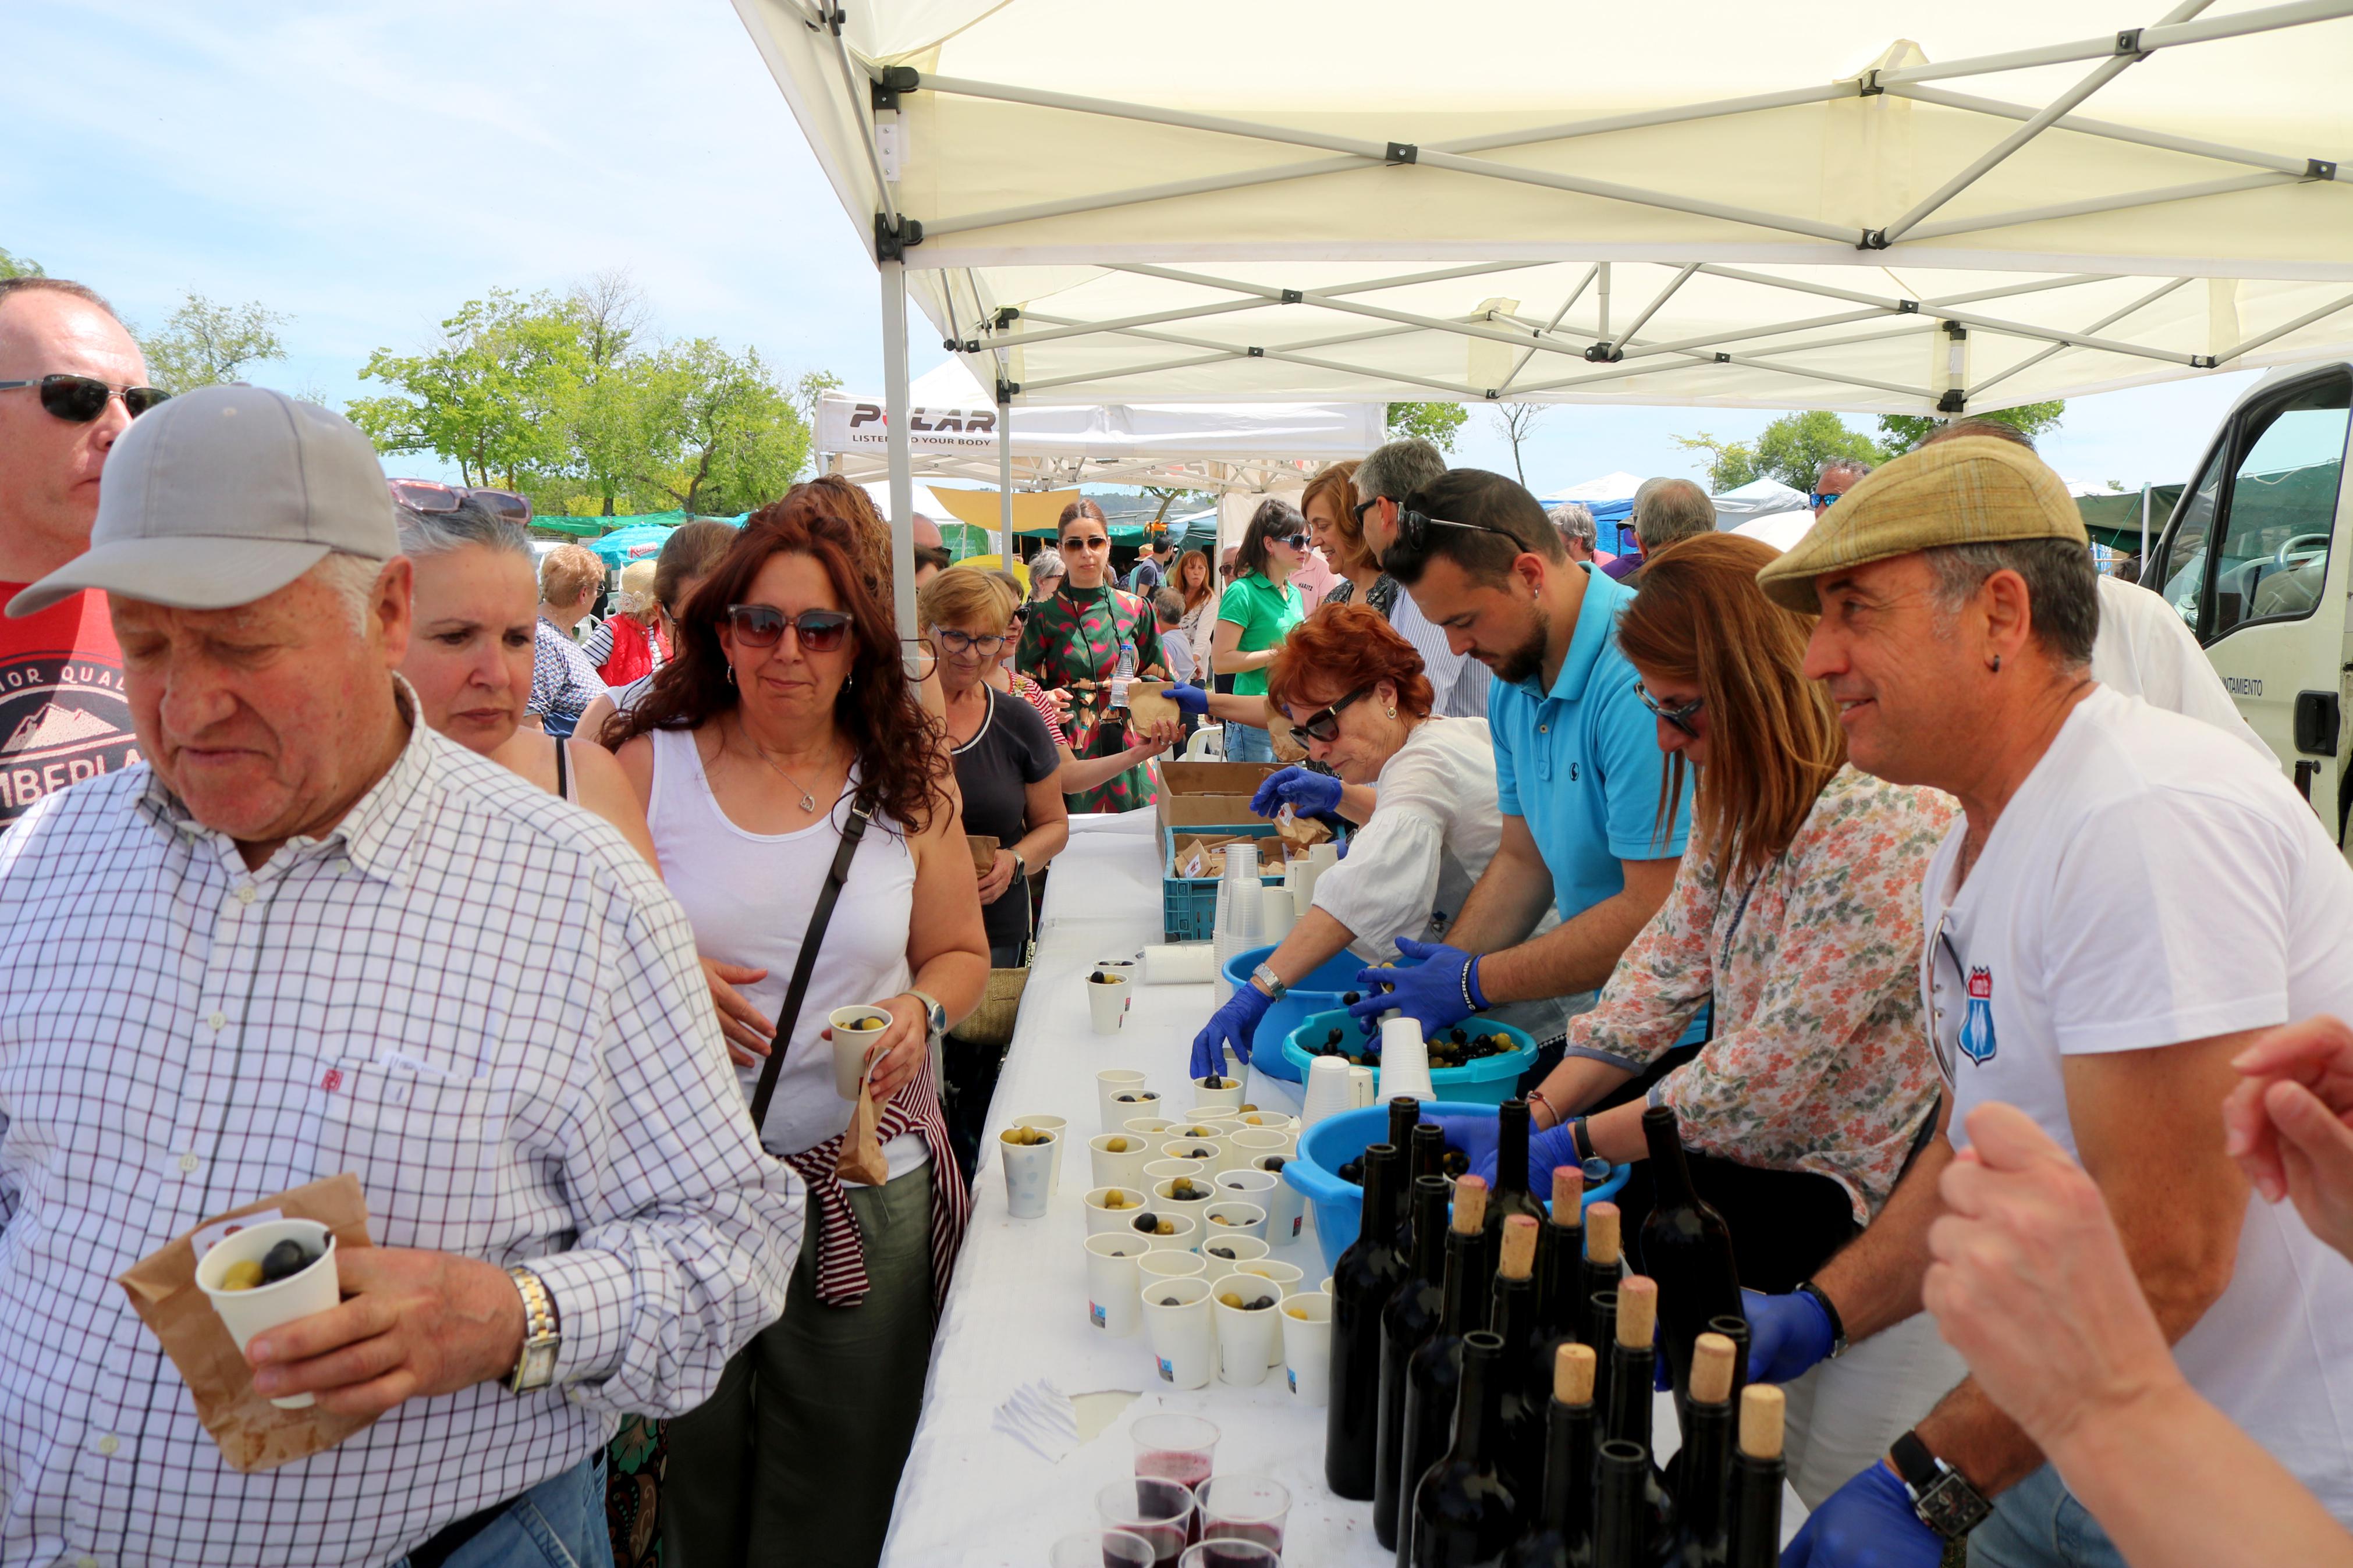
x=1317 y=992
x=1487 y=1081
x=1332 y=1143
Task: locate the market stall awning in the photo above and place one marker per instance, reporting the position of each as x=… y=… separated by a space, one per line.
x=1848 y=203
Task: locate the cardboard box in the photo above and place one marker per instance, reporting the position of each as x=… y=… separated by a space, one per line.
x=1209 y=794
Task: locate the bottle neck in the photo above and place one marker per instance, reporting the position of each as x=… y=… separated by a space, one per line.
x=1377 y=1227
x=1511 y=1152
x=1428 y=1152
x=1512 y=1312
x=1559 y=1251
x=1429 y=1235
x=1569 y=1470
x=1620 y=1475
x=1670 y=1172
x=1630 y=1373
x=1463 y=1254
x=1478 y=1414
x=1707 y=1446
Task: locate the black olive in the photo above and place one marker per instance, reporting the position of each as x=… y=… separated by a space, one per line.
x=1350 y=998
x=1353 y=1173
x=1271 y=1163
x=1334 y=1037
x=1455 y=1164
x=1147 y=1221
x=1456 y=1036
x=284 y=1261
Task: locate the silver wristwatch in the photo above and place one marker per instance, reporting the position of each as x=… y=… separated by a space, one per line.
x=542 y=1336
x=936 y=1014
x=1270 y=982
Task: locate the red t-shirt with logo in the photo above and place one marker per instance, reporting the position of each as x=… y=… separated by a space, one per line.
x=63 y=714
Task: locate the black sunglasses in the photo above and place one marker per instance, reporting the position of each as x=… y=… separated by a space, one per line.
x=431 y=495
x=1298 y=542
x=1097 y=542
x=1324 y=724
x=763 y=625
x=1680 y=716
x=1413 y=530
x=78 y=399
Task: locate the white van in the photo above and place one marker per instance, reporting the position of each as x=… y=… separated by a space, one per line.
x=2250 y=560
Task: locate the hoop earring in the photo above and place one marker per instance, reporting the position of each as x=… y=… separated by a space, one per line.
x=1995 y=665
x=730 y=675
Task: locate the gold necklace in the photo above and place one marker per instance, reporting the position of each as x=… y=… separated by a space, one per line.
x=808 y=796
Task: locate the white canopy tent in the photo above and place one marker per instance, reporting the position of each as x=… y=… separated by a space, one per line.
x=1757 y=498
x=1881 y=205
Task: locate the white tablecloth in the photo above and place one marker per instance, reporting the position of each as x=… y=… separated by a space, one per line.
x=972 y=1496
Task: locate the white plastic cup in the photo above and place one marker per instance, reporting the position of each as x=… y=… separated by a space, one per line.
x=1153 y=1129
x=1123 y=1168
x=1107 y=1002
x=1405 y=1061
x=1248 y=1341
x=1102 y=1220
x=1362 y=1083
x=1278 y=912
x=1195 y=1209
x=1184 y=1341
x=1254 y=1143
x=1233 y=1217
x=1242 y=1249
x=1028 y=1173
x=1184 y=1238
x=1061 y=1132
x=1248 y=1184
x=1329 y=1091
x=1307 y=1346
x=1285 y=1278
x=849 y=1045
x=1247 y=910
x=1178 y=963
x=1224 y=1099
x=1113 y=1081
x=1159 y=1170
x=1152 y=1266
x=1113 y=1281
x=1286 y=1208
x=1201 y=1152
x=245 y=1313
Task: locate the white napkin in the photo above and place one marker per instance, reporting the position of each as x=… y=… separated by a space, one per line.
x=1039 y=1415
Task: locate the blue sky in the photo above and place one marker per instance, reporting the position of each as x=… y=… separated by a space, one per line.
x=366 y=168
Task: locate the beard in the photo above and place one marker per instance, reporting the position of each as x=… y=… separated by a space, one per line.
x=1525 y=658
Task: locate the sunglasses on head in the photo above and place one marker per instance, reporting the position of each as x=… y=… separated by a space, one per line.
x=78 y=399
x=1680 y=715
x=1324 y=724
x=431 y=495
x=763 y=625
x=1097 y=542
x=1413 y=530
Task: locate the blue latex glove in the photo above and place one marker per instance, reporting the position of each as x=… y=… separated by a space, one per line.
x=1231 y=1024
x=1307 y=793
x=1189 y=699
x=1787 y=1335
x=1866 y=1523
x=1476 y=1136
x=1432 y=992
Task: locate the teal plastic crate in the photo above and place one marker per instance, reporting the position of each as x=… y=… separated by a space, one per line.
x=1188 y=905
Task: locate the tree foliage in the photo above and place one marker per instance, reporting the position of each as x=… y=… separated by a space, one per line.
x=207 y=344
x=1902 y=432
x=19 y=266
x=1794 y=447
x=1436 y=423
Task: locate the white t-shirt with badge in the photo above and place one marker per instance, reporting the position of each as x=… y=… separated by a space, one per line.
x=2149 y=887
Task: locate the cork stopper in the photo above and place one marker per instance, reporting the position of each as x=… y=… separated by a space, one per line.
x=1710 y=1369
x=1519 y=1247
x=1572 y=1374
x=1567 y=1197
x=1760 y=1421
x=1470 y=1205
x=1601 y=1232
x=1637 y=1310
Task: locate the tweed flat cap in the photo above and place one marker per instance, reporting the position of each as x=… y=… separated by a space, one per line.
x=1973 y=490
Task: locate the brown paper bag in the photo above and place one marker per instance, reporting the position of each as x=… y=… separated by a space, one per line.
x=983 y=852
x=253 y=1434
x=861 y=1159
x=1148 y=703
x=1303 y=831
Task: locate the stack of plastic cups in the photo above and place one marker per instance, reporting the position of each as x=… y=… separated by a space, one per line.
x=1405 y=1060
x=1328 y=1092
x=1280 y=912
x=1241 y=868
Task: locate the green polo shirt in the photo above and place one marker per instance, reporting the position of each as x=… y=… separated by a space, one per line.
x=1265 y=614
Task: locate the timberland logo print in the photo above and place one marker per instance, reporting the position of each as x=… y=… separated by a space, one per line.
x=1977 y=1029
x=61 y=721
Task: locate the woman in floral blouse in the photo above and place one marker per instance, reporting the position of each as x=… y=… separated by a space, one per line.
x=1071 y=643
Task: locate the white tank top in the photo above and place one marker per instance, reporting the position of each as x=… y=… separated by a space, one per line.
x=749 y=896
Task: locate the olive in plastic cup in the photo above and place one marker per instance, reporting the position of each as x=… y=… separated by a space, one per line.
x=1029 y=1168
x=1104 y=1218
x=1113 y=1304
x=1184 y=1344
x=1110 y=1083
x=1224 y=1255
x=1250 y=1336
x=1307 y=1346
x=1225 y=1096
x=1107 y=999
x=1286 y=1208
x=1120 y=1167
x=1060 y=1130
x=850 y=1042
x=245 y=1313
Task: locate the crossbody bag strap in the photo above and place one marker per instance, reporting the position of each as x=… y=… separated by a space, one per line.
x=795 y=993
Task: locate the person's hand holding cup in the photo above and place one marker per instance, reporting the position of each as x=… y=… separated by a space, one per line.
x=412 y=1324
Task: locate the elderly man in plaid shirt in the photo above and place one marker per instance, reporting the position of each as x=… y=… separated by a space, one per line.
x=309 y=935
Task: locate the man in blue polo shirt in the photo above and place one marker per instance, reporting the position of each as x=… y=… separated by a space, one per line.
x=1577 y=765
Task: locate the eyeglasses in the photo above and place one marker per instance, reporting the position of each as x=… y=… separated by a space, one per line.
x=1413 y=531
x=1680 y=716
x=763 y=625
x=78 y=399
x=1325 y=724
x=1020 y=612
x=1097 y=542
x=965 y=642
x=431 y=495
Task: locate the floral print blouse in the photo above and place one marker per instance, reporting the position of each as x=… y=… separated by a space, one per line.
x=1818 y=1062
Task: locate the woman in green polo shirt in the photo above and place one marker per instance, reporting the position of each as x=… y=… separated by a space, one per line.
x=1257 y=612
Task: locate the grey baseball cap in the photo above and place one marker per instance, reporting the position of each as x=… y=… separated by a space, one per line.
x=224 y=496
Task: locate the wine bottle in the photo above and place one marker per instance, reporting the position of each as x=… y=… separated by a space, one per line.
x=1426 y=1156
x=1511 y=1195
x=1361 y=1281
x=1700 y=1475
x=1602 y=1255
x=1621 y=1521
x=1757 y=1473
x=1464 y=1515
x=1560 y=1255
x=1435 y=1369
x=1685 y=1246
x=1562 y=1534
x=1408 y=1317
x=1511 y=1313
x=1634 y=1311
x=1404 y=1115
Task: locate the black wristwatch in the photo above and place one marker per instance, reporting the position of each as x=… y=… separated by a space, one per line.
x=1941 y=1495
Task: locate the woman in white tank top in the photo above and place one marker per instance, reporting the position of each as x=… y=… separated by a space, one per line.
x=782 y=711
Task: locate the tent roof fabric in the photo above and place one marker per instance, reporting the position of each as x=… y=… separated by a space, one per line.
x=1868 y=204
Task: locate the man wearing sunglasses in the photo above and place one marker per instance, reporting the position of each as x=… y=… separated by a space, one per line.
x=1579 y=771
x=70 y=382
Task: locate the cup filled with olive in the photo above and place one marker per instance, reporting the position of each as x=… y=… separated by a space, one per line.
x=269 y=1274
x=1189 y=1195
x=1027 y=1154
x=1118 y=1159
x=1107 y=992
x=1218 y=1091
x=1113 y=1208
x=856 y=1031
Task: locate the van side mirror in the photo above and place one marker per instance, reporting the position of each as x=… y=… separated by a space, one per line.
x=2316 y=723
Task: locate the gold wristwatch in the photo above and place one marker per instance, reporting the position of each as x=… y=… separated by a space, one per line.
x=535 y=1368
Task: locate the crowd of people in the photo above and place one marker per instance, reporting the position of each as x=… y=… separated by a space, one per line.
x=1996 y=995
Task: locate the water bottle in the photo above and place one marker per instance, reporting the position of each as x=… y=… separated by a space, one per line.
x=1126 y=673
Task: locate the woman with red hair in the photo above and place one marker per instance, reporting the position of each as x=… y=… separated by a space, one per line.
x=1355 y=696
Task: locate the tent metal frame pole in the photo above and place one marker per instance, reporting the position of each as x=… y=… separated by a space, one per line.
x=2237 y=24
x=1844 y=319
x=2144 y=525
x=2251 y=344
x=2008 y=290
x=1152 y=319
x=2090 y=204
x=1664 y=295
x=1003 y=476
x=1551 y=326
x=902 y=479
x=1050 y=382
x=2110 y=320
x=853 y=82
x=2108 y=130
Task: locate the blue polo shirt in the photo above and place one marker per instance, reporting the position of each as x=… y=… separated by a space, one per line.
x=1581 y=762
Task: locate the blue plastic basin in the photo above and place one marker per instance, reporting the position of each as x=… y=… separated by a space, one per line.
x=1334 y=1142
x=1317 y=992
x=1487 y=1081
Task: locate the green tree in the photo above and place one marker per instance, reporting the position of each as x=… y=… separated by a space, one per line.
x=206 y=344
x=1791 y=449
x=1902 y=432
x=494 y=396
x=20 y=266
x=1436 y=423
x=1730 y=464
x=723 y=436
x=605 y=400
